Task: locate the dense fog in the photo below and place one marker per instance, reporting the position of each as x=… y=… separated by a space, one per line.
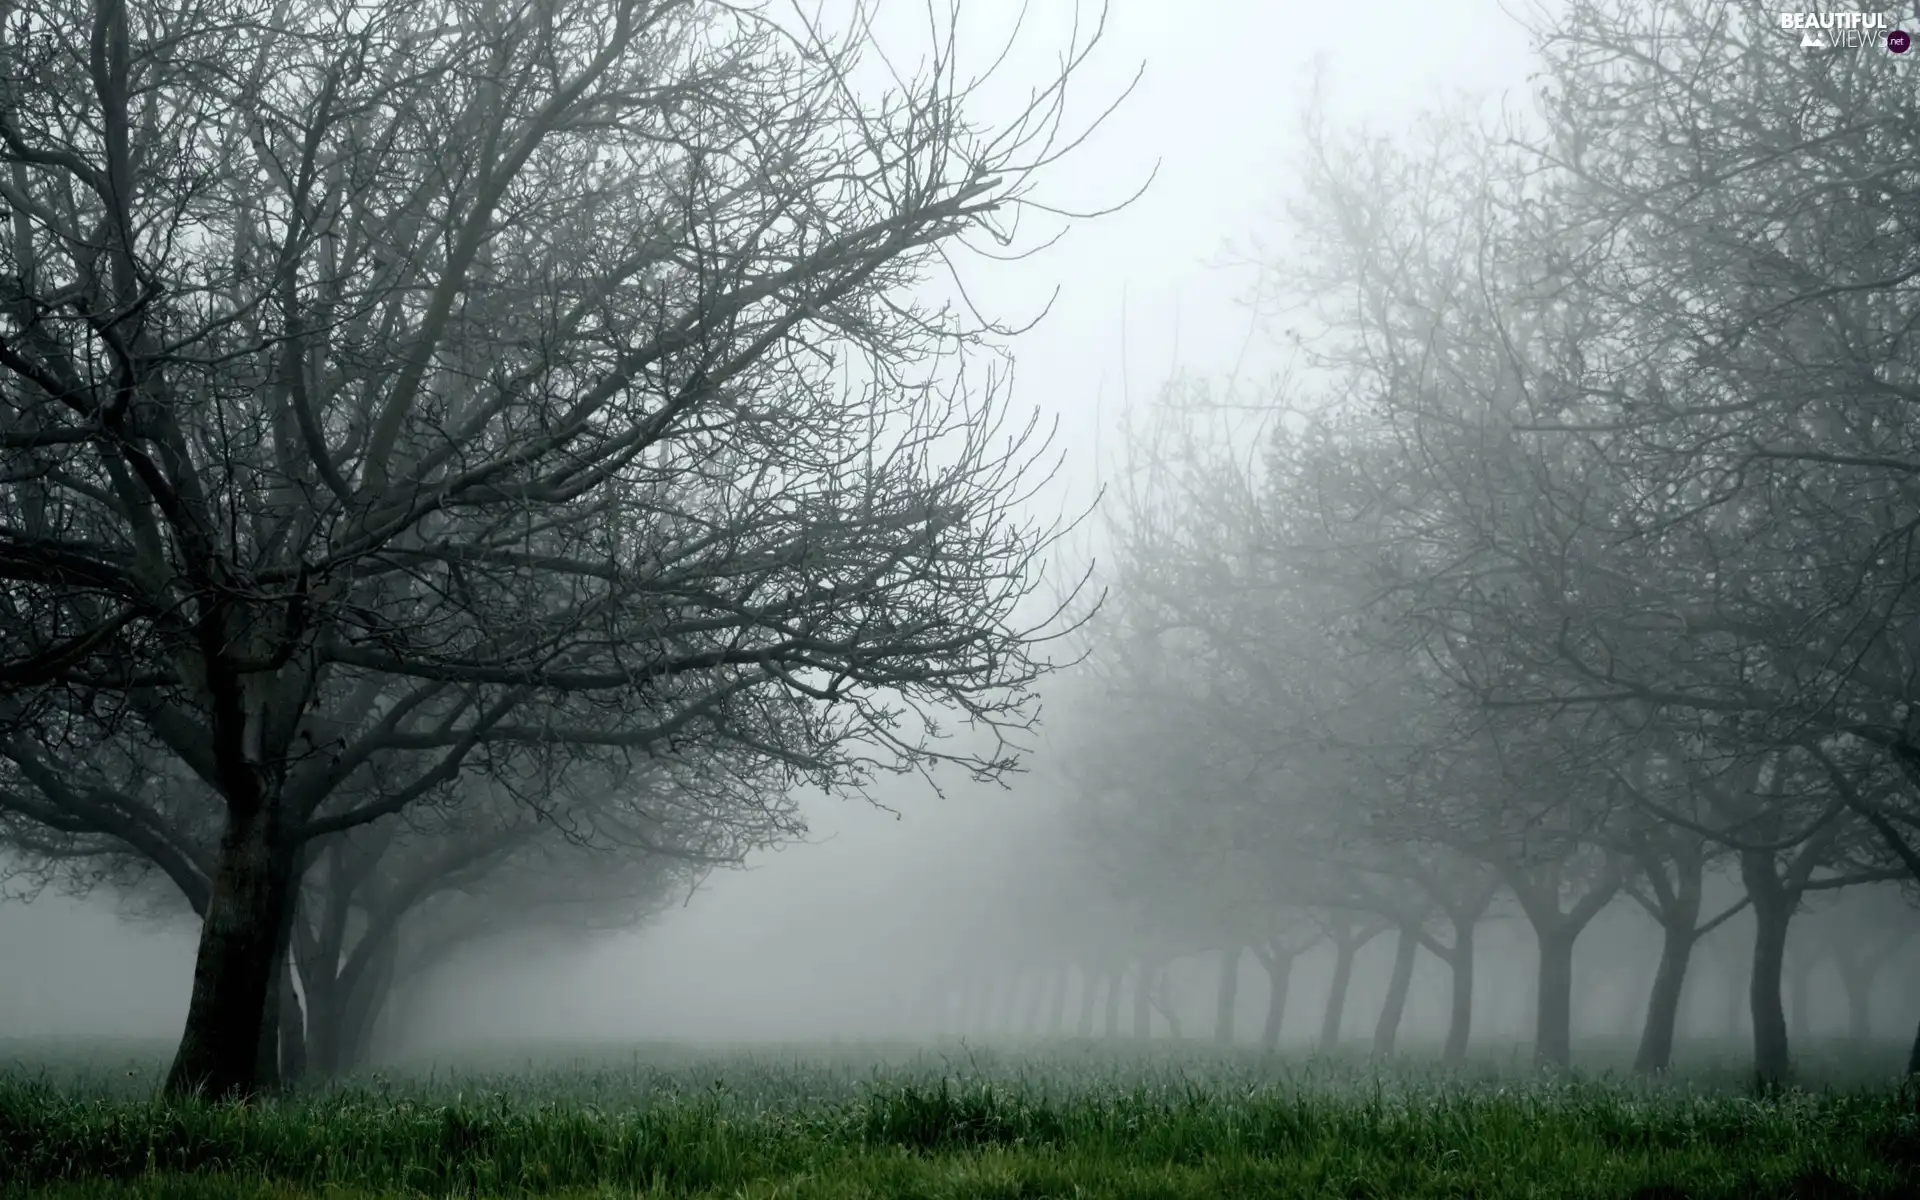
x=1037 y=905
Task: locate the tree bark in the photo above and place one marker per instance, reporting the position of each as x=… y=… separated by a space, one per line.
x=293 y=1030
x=1773 y=909
x=1460 y=1011
x=1387 y=1031
x=266 y=1062
x=1772 y=1054
x=234 y=966
x=1555 y=931
x=1553 y=1009
x=1229 y=994
x=1799 y=1000
x=1344 y=950
x=1655 y=1052
x=1913 y=1055
x=1114 y=978
x=1279 y=973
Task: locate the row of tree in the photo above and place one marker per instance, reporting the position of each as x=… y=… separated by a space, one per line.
x=1577 y=564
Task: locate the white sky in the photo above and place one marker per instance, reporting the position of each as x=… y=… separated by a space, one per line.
x=1218 y=110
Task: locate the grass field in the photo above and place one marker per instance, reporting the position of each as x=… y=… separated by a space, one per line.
x=1068 y=1119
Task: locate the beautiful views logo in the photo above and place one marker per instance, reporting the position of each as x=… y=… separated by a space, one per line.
x=1846 y=31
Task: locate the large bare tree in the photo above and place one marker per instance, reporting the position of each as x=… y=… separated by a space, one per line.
x=392 y=394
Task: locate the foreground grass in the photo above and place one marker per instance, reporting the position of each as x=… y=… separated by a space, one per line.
x=1057 y=1122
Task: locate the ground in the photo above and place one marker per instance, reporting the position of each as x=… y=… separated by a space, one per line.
x=1066 y=1118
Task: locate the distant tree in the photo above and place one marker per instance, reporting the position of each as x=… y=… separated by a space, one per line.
x=393 y=396
x=386 y=903
x=1568 y=346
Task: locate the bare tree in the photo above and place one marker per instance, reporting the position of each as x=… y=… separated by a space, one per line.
x=393 y=395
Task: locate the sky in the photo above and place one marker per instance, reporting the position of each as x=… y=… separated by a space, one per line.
x=1142 y=293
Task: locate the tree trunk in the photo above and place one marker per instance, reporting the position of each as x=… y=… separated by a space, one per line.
x=1460 y=1012
x=293 y=1030
x=1143 y=1002
x=1857 y=976
x=360 y=1010
x=266 y=1061
x=1089 y=982
x=1631 y=1015
x=1057 y=1021
x=1799 y=1001
x=1773 y=904
x=234 y=966
x=1913 y=1055
x=323 y=1025
x=1388 y=1029
x=1168 y=1012
x=1663 y=1000
x=1279 y=973
x=1113 y=981
x=1772 y=1059
x=1553 y=1009
x=1344 y=950
x=1229 y=994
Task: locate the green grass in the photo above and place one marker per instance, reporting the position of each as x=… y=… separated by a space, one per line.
x=1067 y=1119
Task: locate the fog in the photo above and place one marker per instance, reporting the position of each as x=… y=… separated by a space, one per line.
x=883 y=921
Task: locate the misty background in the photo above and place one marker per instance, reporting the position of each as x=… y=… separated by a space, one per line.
x=862 y=930
x=789 y=947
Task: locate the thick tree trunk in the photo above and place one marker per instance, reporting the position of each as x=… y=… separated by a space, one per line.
x=1344 y=950
x=1663 y=1000
x=1913 y=1055
x=1143 y=1002
x=1460 y=1012
x=234 y=968
x=1553 y=1009
x=1114 y=978
x=1772 y=1055
x=1773 y=904
x=1279 y=973
x=1229 y=994
x=1387 y=1031
x=1089 y=982
x=266 y=1061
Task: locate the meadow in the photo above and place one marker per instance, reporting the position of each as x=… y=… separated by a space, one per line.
x=1003 y=1120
